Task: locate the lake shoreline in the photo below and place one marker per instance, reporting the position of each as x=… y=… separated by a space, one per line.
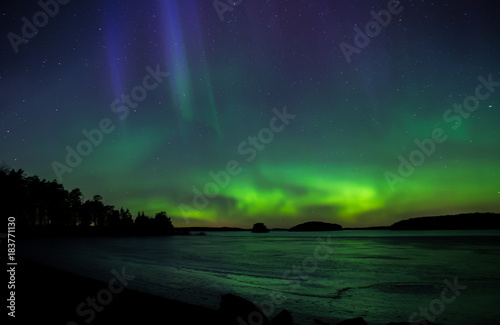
x=197 y=271
x=50 y=295
x=53 y=296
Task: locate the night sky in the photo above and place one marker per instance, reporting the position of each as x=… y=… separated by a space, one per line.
x=270 y=111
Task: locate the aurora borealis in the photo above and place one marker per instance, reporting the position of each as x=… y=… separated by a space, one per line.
x=206 y=133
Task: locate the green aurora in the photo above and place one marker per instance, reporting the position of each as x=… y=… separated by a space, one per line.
x=352 y=121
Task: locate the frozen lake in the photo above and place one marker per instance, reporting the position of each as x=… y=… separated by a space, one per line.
x=380 y=275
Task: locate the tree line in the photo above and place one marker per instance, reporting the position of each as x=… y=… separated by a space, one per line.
x=36 y=202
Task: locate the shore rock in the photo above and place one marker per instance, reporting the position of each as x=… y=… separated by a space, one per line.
x=237 y=310
x=283 y=318
x=353 y=321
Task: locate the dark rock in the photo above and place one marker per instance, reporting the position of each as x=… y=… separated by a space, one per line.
x=316 y=226
x=283 y=318
x=353 y=321
x=259 y=228
x=233 y=307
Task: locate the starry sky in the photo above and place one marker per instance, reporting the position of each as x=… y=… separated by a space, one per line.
x=227 y=113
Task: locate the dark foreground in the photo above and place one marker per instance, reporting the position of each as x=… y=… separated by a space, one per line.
x=45 y=295
x=49 y=296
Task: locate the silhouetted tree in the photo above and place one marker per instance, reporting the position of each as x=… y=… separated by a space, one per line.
x=13 y=194
x=112 y=217
x=163 y=222
x=57 y=204
x=126 y=218
x=36 y=202
x=86 y=214
x=97 y=211
x=75 y=200
x=142 y=222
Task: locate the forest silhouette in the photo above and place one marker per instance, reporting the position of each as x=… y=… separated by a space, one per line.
x=43 y=207
x=46 y=208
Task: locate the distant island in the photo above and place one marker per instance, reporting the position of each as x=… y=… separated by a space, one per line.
x=316 y=226
x=259 y=228
x=44 y=208
x=465 y=221
x=368 y=228
x=188 y=229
